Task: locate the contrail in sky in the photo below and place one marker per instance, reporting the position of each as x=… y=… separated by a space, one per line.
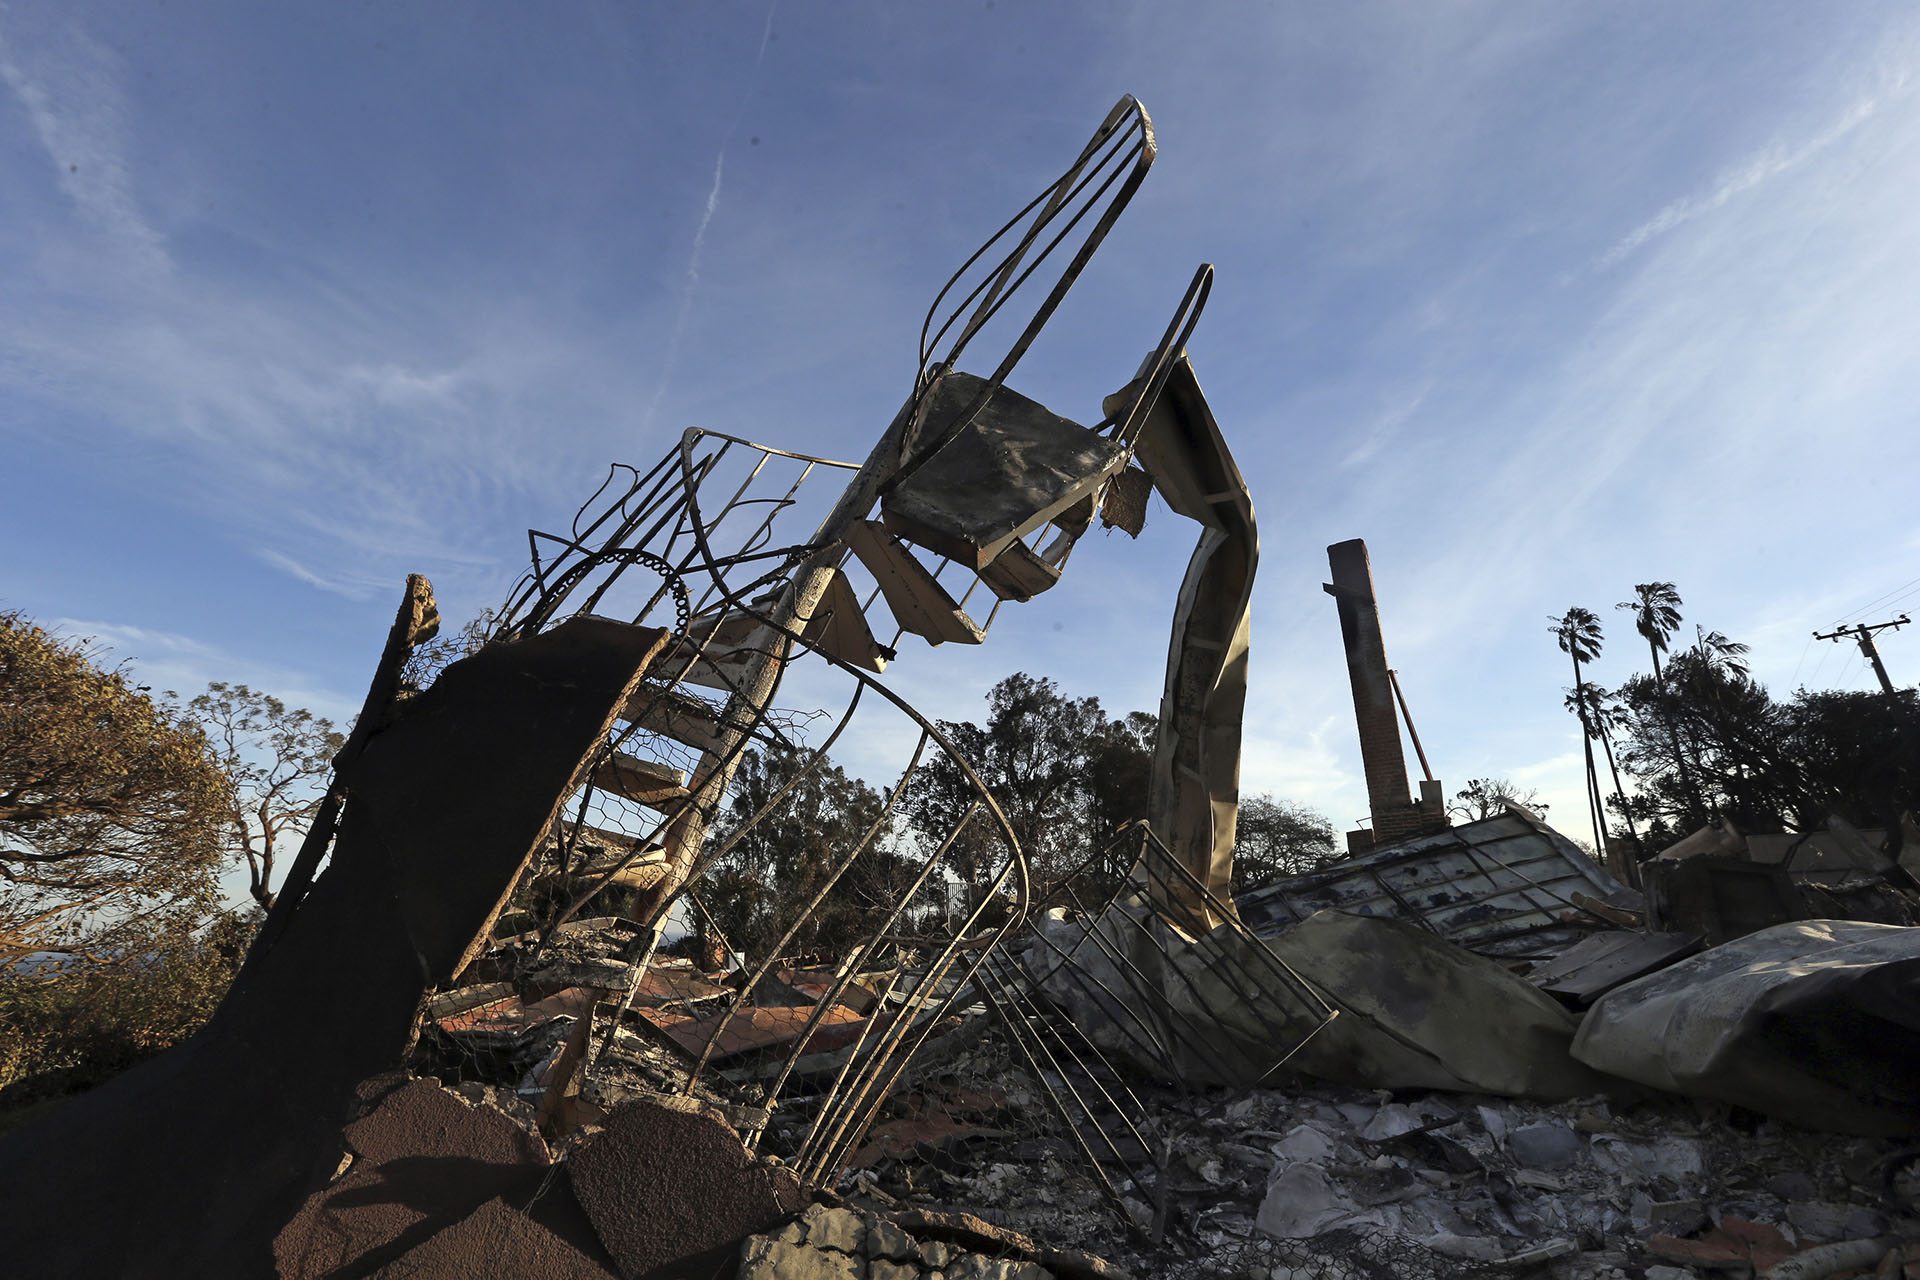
x=687 y=291
x=692 y=283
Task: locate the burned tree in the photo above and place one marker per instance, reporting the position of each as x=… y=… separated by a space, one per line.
x=274 y=758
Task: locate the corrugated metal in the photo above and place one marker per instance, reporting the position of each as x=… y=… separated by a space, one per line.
x=1501 y=887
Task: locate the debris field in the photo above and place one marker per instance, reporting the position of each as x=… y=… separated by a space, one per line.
x=1461 y=1050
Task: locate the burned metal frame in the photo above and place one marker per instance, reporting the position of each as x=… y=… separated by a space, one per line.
x=1122 y=149
x=1163 y=905
x=748 y=602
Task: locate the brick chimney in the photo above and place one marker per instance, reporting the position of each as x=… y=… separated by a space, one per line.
x=1395 y=815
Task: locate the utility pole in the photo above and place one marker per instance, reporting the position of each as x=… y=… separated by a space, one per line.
x=1863 y=632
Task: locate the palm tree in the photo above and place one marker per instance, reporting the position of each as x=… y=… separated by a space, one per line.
x=1656 y=616
x=1579 y=635
x=1721 y=663
x=1719 y=654
x=1605 y=713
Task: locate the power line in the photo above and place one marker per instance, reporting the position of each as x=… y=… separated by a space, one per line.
x=1804 y=649
x=1881 y=601
x=1863 y=633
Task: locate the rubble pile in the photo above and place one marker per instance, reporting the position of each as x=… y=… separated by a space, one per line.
x=1316 y=1179
x=845 y=1243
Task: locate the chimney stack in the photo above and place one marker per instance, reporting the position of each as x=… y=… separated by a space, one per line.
x=1395 y=814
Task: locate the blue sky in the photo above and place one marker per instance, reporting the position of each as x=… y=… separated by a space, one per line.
x=1541 y=300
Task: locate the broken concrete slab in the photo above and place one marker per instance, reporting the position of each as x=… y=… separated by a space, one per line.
x=839 y=1229
x=1814 y=1022
x=662 y=1185
x=764 y=1258
x=1416 y=1012
x=494 y=1240
x=423 y=1159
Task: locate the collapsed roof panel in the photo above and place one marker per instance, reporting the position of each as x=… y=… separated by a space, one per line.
x=1505 y=886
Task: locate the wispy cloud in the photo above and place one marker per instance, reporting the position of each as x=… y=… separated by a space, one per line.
x=169 y=662
x=1761 y=167
x=351 y=590
x=687 y=290
x=1386 y=427
x=69 y=87
x=691 y=284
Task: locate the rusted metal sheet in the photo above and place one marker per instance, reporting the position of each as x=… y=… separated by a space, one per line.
x=1502 y=887
x=748 y=1030
x=664 y=985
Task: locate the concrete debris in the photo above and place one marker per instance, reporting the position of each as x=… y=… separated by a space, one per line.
x=1318 y=1178
x=662 y=1186
x=843 y=1244
x=452 y=799
x=497 y=1240
x=425 y=1161
x=1722 y=884
x=1417 y=1012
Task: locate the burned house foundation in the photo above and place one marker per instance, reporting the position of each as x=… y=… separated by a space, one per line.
x=1462 y=1050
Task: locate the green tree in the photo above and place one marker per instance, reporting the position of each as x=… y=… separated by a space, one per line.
x=1769 y=765
x=1066 y=776
x=274 y=757
x=1277 y=838
x=1605 y=713
x=78 y=1025
x=1656 y=616
x=1118 y=772
x=111 y=807
x=760 y=887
